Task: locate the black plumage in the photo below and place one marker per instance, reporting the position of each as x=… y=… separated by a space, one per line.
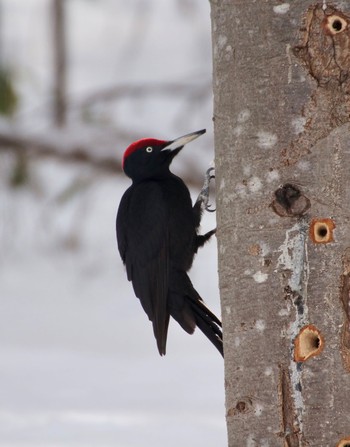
x=157 y=233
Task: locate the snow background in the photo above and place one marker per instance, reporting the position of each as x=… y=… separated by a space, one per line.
x=78 y=360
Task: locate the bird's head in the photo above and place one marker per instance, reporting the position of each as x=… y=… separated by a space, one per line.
x=151 y=158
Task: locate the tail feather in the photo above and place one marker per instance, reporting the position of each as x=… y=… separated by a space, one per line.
x=201 y=305
x=211 y=327
x=187 y=307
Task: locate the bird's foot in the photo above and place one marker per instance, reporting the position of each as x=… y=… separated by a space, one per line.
x=203 y=196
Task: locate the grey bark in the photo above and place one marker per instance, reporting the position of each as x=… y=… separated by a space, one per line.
x=282 y=137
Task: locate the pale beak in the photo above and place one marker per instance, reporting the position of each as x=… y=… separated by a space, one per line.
x=181 y=141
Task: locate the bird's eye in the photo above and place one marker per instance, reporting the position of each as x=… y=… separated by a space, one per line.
x=149 y=149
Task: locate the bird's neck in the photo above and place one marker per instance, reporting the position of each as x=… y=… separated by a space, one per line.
x=155 y=177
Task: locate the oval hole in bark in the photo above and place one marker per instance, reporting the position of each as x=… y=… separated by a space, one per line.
x=290 y=201
x=337 y=26
x=321 y=231
x=308 y=343
x=241 y=406
x=345 y=442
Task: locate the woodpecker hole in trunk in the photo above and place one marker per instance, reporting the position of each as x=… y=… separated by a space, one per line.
x=308 y=343
x=243 y=406
x=345 y=442
x=240 y=407
x=321 y=231
x=289 y=201
x=335 y=24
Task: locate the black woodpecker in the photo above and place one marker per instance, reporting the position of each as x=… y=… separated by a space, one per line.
x=157 y=233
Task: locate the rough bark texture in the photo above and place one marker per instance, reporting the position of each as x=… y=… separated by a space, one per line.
x=282 y=136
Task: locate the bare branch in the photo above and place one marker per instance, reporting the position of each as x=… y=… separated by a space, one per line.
x=192 y=90
x=61 y=145
x=98 y=148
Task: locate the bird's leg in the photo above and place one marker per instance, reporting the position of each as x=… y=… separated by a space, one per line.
x=201 y=239
x=203 y=198
x=202 y=204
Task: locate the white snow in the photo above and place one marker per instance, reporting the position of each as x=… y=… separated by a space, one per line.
x=78 y=360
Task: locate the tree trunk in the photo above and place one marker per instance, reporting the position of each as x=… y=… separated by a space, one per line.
x=282 y=137
x=59 y=67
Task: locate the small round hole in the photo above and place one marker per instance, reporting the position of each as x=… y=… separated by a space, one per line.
x=311 y=342
x=344 y=443
x=322 y=231
x=316 y=344
x=241 y=406
x=337 y=26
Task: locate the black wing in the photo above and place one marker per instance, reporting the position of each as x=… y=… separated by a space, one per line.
x=143 y=242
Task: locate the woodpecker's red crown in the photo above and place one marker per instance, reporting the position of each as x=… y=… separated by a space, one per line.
x=150 y=158
x=140 y=144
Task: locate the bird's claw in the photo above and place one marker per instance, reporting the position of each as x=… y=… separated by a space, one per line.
x=210 y=209
x=203 y=197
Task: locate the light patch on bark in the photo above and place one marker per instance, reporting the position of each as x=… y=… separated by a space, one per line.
x=265 y=249
x=290 y=65
x=228 y=198
x=304 y=165
x=260 y=325
x=254 y=184
x=222 y=40
x=260 y=277
x=272 y=176
x=294 y=257
x=243 y=116
x=268 y=371
x=266 y=140
x=241 y=190
x=298 y=124
x=281 y=9
x=229 y=52
x=222 y=249
x=237 y=131
x=258 y=409
x=247 y=170
x=284 y=312
x=251 y=442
